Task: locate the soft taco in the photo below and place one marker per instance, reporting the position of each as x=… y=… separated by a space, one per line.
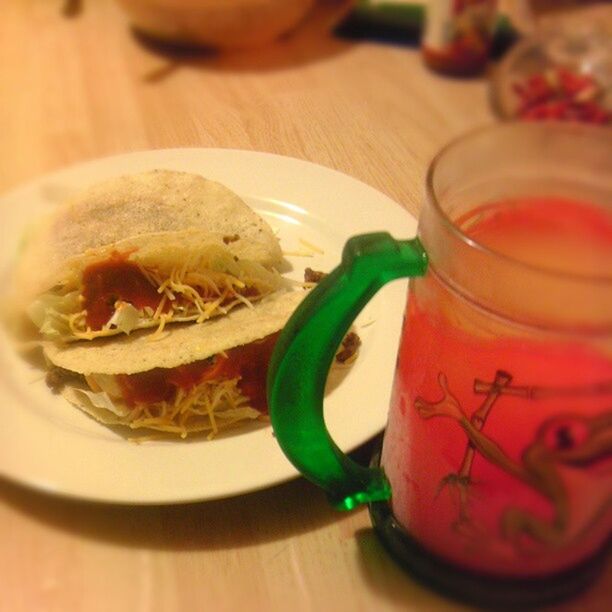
x=141 y=251
x=195 y=378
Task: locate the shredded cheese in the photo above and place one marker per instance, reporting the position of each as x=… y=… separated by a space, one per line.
x=367 y=323
x=312 y=247
x=298 y=253
x=188 y=293
x=310 y=251
x=211 y=406
x=158 y=332
x=160 y=307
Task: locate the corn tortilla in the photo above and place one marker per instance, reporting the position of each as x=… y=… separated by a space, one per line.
x=182 y=344
x=132 y=205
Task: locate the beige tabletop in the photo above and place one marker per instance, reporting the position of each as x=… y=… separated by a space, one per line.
x=74 y=89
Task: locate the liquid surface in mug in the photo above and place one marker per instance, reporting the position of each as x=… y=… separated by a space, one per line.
x=554 y=234
x=499 y=441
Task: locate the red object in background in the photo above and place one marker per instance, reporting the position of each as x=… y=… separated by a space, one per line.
x=562 y=95
x=457 y=36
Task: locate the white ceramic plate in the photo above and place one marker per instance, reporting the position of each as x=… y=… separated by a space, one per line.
x=48 y=444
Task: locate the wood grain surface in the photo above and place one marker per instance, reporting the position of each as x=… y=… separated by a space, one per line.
x=74 y=88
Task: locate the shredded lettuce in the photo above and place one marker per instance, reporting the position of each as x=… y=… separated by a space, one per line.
x=210 y=407
x=59 y=313
x=106 y=383
x=102 y=400
x=125 y=318
x=49 y=313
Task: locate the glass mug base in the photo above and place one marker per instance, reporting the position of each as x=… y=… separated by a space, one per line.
x=476 y=588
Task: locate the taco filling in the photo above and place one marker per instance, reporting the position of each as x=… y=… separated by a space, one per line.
x=207 y=395
x=195 y=378
x=124 y=292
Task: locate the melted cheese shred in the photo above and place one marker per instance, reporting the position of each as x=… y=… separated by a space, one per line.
x=187 y=296
x=210 y=407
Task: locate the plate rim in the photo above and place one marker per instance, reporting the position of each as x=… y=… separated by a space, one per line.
x=156 y=158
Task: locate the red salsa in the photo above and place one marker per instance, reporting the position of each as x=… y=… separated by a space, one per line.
x=249 y=363
x=457 y=35
x=106 y=282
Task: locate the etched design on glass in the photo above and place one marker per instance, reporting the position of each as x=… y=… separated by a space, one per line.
x=564 y=440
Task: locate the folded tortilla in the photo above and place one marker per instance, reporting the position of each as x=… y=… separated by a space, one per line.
x=192 y=378
x=157 y=221
x=149 y=202
x=151 y=280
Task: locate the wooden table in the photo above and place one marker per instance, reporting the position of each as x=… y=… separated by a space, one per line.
x=80 y=88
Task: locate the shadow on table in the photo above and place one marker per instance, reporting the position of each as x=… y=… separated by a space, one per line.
x=248 y=520
x=384 y=576
x=251 y=519
x=314 y=41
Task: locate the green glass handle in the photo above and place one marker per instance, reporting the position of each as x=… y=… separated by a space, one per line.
x=305 y=351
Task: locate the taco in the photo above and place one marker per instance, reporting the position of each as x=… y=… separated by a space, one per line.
x=195 y=378
x=148 y=281
x=141 y=251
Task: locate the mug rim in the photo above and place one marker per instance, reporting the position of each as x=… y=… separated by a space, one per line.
x=442 y=216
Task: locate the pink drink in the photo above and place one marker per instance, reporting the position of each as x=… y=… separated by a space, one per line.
x=499 y=441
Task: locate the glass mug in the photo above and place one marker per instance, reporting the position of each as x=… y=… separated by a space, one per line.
x=495 y=479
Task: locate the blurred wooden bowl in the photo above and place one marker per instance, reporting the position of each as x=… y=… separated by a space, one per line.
x=220 y=24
